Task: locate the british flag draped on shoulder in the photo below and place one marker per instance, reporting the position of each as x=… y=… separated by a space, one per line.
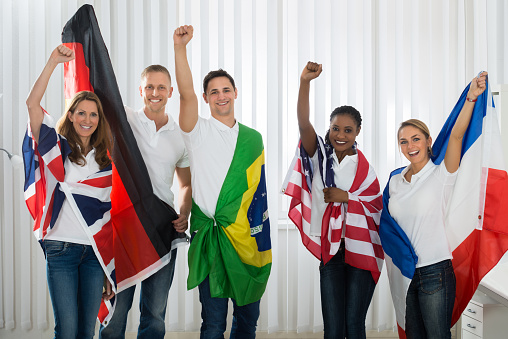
x=143 y=233
x=45 y=192
x=362 y=243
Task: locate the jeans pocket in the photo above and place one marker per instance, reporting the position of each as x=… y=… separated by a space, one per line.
x=431 y=283
x=55 y=248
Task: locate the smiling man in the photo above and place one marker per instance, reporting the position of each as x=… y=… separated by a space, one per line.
x=160 y=141
x=230 y=253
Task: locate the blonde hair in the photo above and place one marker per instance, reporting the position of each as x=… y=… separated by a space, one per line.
x=100 y=139
x=417 y=124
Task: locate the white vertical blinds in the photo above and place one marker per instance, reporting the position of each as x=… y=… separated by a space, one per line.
x=392 y=60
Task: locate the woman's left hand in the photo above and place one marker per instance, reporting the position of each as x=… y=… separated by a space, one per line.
x=478 y=86
x=334 y=194
x=108 y=291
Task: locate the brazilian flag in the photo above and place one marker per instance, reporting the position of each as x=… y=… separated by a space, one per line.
x=234 y=247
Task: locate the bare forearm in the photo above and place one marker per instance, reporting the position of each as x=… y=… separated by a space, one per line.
x=185 y=200
x=183 y=74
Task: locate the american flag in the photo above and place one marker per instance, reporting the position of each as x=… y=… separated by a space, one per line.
x=45 y=192
x=362 y=214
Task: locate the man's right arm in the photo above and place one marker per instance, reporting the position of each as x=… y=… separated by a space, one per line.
x=188 y=99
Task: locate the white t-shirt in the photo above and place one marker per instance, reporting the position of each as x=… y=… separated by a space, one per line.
x=211 y=146
x=162 y=151
x=419 y=208
x=67 y=227
x=344 y=175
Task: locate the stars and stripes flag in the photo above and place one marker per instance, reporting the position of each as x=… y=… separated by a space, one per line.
x=46 y=190
x=362 y=244
x=142 y=223
x=476 y=218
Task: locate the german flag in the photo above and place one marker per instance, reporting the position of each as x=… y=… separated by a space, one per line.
x=143 y=231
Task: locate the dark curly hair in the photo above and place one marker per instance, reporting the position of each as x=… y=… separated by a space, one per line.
x=342 y=110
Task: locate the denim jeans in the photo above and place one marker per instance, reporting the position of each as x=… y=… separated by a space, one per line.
x=214 y=312
x=152 y=304
x=75 y=281
x=429 y=303
x=346 y=292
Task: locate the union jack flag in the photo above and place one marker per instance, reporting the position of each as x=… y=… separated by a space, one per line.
x=362 y=214
x=46 y=190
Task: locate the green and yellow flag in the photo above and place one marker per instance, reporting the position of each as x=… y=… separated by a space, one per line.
x=234 y=249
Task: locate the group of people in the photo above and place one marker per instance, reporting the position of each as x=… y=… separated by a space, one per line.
x=207 y=155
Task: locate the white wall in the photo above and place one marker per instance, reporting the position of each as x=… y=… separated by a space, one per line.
x=392 y=59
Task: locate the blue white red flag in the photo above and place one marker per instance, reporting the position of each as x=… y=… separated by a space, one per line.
x=475 y=222
x=45 y=192
x=362 y=244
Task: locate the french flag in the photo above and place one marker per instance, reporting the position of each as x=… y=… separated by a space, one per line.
x=476 y=218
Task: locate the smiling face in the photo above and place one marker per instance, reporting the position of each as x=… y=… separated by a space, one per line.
x=343 y=132
x=221 y=97
x=155 y=89
x=414 y=145
x=85 y=120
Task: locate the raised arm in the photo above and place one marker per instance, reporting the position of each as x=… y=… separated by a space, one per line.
x=307 y=133
x=454 y=149
x=188 y=99
x=33 y=102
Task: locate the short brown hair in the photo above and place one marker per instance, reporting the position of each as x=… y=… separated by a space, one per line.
x=155 y=69
x=100 y=139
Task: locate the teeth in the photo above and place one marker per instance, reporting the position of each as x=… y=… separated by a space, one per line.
x=155 y=101
x=222 y=103
x=340 y=142
x=413 y=153
x=86 y=127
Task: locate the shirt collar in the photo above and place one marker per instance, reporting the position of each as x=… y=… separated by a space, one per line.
x=422 y=173
x=170 y=125
x=223 y=127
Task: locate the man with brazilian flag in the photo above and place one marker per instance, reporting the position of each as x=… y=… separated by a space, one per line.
x=230 y=252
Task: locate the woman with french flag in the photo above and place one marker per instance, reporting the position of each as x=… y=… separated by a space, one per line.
x=414 y=221
x=67 y=190
x=336 y=205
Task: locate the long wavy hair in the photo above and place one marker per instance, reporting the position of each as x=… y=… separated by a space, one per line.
x=100 y=139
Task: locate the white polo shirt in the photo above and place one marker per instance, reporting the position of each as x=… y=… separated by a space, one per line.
x=419 y=208
x=162 y=151
x=344 y=175
x=211 y=146
x=67 y=227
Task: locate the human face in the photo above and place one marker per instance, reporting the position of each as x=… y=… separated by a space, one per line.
x=343 y=132
x=414 y=145
x=85 y=120
x=155 y=89
x=221 y=97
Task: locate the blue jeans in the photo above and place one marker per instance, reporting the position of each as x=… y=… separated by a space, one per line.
x=214 y=312
x=75 y=281
x=152 y=304
x=346 y=292
x=429 y=303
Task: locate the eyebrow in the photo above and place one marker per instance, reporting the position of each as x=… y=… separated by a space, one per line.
x=416 y=135
x=344 y=126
